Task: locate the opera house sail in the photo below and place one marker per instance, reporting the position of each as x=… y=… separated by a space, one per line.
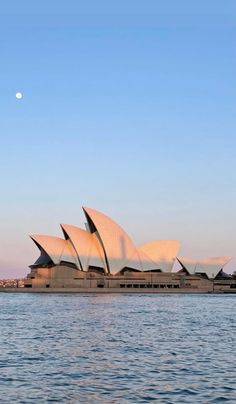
x=103 y=256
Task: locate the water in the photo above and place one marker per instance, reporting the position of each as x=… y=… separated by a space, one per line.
x=117 y=348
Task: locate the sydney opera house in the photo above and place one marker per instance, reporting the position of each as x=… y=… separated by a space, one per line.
x=103 y=256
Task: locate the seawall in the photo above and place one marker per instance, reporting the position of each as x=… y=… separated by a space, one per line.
x=115 y=290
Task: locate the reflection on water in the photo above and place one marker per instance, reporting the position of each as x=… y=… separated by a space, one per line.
x=117 y=348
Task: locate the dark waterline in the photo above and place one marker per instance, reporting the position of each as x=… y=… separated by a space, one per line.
x=117 y=348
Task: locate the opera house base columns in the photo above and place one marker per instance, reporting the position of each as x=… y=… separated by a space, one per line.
x=62 y=278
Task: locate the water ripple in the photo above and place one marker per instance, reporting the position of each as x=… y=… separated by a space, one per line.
x=117 y=349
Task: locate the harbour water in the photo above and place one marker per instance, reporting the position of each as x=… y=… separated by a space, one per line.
x=69 y=348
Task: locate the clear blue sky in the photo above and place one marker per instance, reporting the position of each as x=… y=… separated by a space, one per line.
x=129 y=108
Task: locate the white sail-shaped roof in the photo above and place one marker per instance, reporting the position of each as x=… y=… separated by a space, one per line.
x=147 y=263
x=56 y=248
x=211 y=266
x=208 y=266
x=104 y=244
x=87 y=246
x=187 y=264
x=119 y=250
x=162 y=252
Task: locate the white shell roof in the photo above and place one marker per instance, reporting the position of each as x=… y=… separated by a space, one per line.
x=106 y=245
x=119 y=249
x=209 y=266
x=187 y=263
x=86 y=245
x=147 y=263
x=162 y=253
x=56 y=248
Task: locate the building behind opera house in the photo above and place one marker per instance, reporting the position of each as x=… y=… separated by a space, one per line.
x=103 y=256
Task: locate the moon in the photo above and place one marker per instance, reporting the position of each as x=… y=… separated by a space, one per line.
x=19 y=95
